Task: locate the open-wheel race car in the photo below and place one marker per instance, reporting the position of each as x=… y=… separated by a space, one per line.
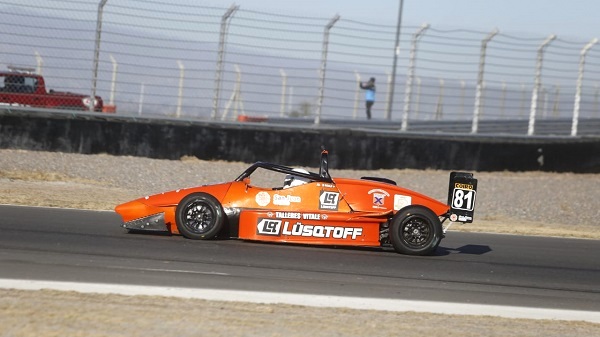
x=306 y=208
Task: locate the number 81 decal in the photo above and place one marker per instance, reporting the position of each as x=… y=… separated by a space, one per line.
x=463 y=199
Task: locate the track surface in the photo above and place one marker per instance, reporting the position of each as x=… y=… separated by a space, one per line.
x=89 y=246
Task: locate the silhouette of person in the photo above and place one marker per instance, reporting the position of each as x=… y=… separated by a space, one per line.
x=369 y=95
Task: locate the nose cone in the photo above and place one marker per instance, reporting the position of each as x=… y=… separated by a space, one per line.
x=134 y=210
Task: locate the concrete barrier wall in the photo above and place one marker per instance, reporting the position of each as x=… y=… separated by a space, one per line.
x=248 y=142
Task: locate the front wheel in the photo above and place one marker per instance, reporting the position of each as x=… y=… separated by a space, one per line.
x=199 y=216
x=416 y=230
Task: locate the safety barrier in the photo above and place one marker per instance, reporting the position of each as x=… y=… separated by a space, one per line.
x=249 y=142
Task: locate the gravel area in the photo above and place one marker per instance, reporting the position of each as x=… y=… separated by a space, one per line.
x=532 y=203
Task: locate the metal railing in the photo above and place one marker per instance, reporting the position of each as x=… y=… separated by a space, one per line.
x=214 y=63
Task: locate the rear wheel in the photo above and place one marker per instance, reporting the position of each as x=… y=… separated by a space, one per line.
x=199 y=216
x=416 y=231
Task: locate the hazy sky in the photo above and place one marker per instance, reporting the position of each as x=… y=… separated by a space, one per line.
x=577 y=20
x=573 y=20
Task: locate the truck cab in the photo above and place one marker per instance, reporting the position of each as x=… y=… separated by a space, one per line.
x=23 y=87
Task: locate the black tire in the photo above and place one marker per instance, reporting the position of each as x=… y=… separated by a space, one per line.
x=416 y=230
x=199 y=216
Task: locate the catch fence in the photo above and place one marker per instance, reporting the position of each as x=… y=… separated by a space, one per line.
x=153 y=57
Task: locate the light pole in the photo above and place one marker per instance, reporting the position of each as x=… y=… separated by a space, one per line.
x=479 y=92
x=537 y=83
x=388 y=113
x=576 y=107
x=97 y=53
x=411 y=74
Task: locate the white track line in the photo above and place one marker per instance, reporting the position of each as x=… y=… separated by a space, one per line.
x=312 y=300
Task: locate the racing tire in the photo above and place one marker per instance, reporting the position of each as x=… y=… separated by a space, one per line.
x=199 y=216
x=415 y=230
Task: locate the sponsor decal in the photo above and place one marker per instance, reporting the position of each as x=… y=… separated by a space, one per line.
x=285 y=200
x=287 y=215
x=269 y=227
x=297 y=215
x=463 y=186
x=329 y=200
x=311 y=216
x=276 y=227
x=325 y=185
x=378 y=197
x=401 y=201
x=263 y=199
x=464 y=218
x=460 y=218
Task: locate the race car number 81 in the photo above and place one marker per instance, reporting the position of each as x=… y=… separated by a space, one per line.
x=463 y=199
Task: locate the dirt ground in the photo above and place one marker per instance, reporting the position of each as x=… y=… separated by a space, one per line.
x=54 y=313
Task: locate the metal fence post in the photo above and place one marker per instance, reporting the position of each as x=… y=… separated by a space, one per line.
x=584 y=52
x=479 y=89
x=411 y=75
x=113 y=82
x=418 y=100
x=503 y=100
x=596 y=94
x=388 y=112
x=390 y=83
x=97 y=53
x=180 y=93
x=556 y=100
x=220 y=56
x=463 y=86
x=283 y=89
x=439 y=107
x=537 y=83
x=356 y=94
x=141 y=99
x=324 y=67
x=40 y=63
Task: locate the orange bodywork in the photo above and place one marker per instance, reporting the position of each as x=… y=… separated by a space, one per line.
x=338 y=212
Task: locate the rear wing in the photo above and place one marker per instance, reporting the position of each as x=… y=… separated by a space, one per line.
x=462 y=192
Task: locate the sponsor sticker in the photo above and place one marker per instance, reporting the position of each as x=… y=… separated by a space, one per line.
x=263 y=199
x=285 y=200
x=277 y=227
x=311 y=216
x=329 y=200
x=379 y=197
x=297 y=215
x=269 y=227
x=401 y=201
x=465 y=218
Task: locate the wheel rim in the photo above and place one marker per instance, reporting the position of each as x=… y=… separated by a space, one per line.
x=199 y=217
x=416 y=232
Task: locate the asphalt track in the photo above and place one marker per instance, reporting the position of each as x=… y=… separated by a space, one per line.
x=49 y=244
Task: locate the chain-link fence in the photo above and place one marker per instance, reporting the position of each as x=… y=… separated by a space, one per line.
x=182 y=60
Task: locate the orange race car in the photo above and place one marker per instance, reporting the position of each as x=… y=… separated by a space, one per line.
x=308 y=208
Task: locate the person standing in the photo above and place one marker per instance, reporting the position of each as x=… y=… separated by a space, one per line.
x=369 y=95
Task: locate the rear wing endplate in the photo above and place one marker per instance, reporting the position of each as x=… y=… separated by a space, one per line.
x=462 y=193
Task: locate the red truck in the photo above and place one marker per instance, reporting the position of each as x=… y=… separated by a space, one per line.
x=23 y=87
